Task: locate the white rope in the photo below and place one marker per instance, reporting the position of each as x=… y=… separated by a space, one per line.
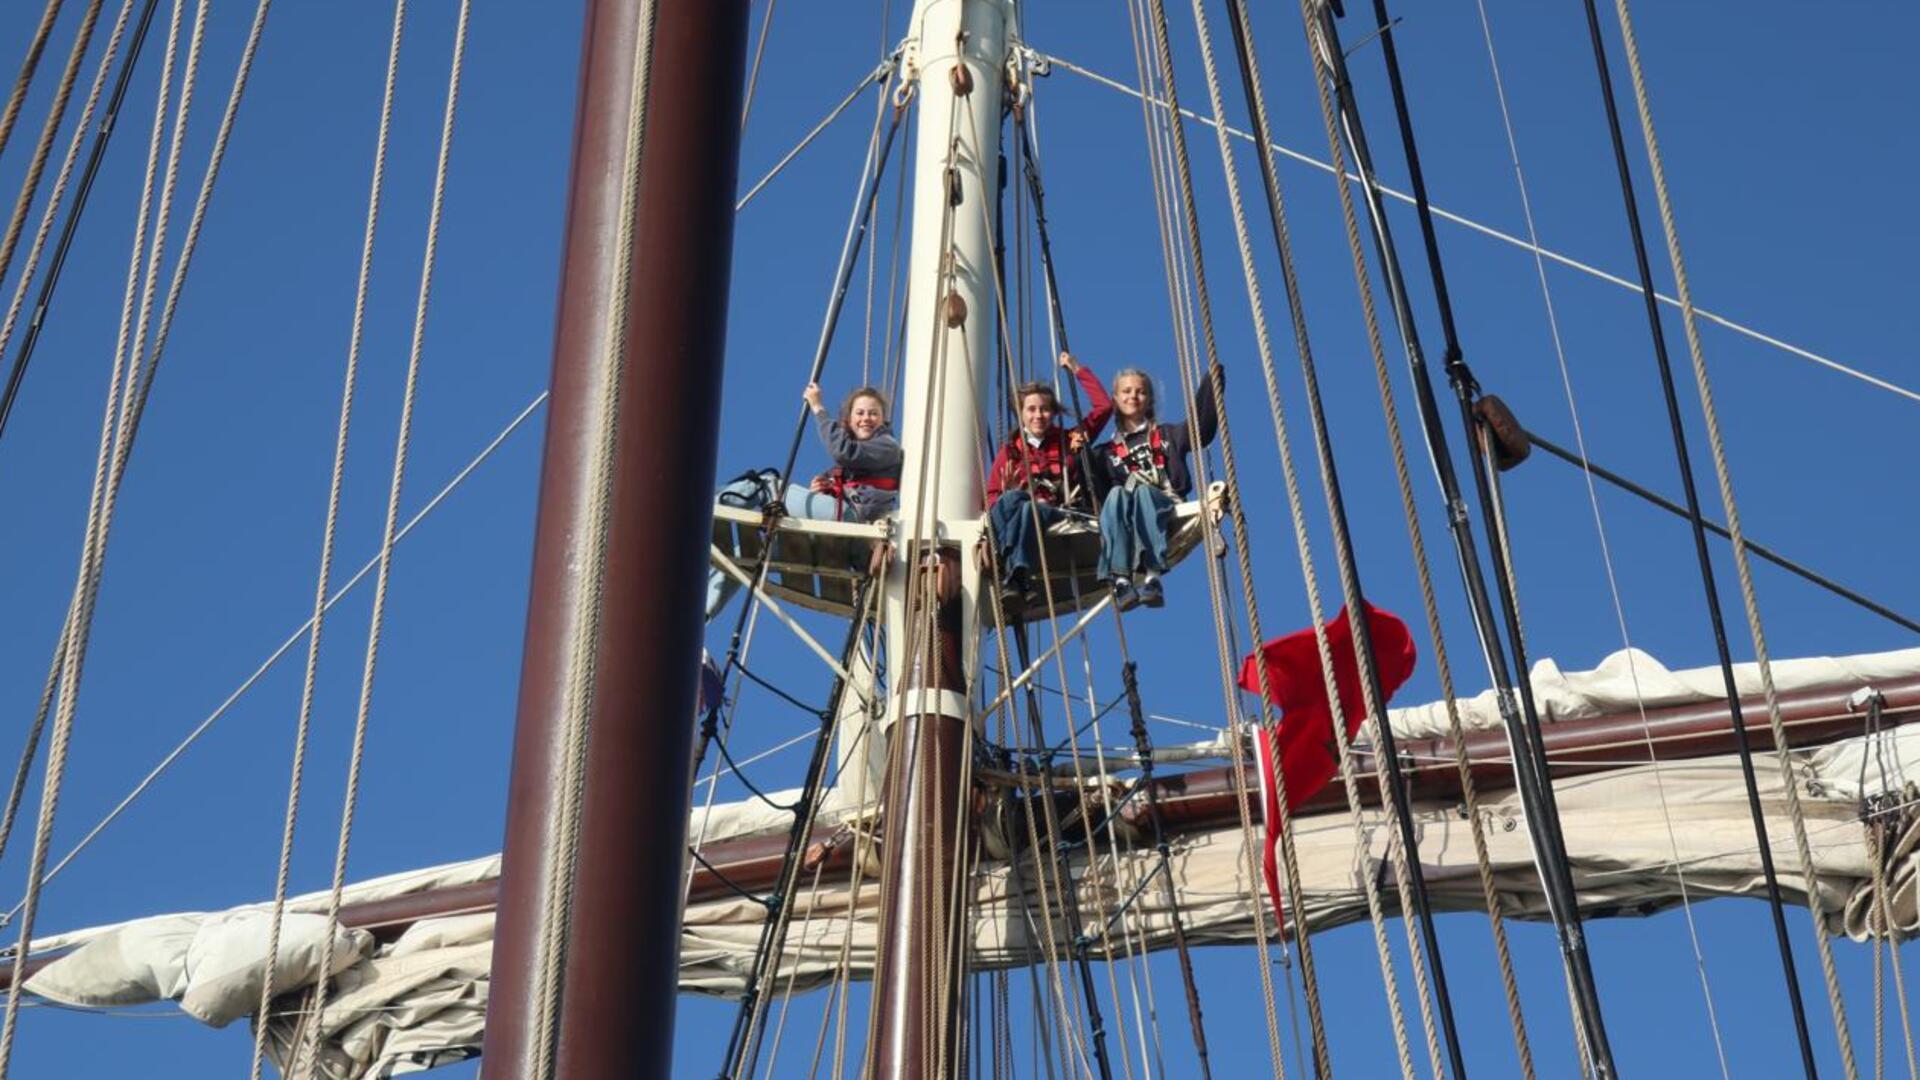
x=1600 y=531
x=285 y=646
x=169 y=181
x=384 y=574
x=216 y=157
x=328 y=533
x=1742 y=566
x=878 y=74
x=753 y=73
x=1506 y=237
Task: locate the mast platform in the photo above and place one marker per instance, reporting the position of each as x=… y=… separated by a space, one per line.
x=817 y=564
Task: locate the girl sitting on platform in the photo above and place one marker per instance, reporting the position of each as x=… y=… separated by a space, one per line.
x=1143 y=470
x=1036 y=474
x=863 y=485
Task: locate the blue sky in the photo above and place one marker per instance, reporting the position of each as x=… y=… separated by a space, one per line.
x=1783 y=176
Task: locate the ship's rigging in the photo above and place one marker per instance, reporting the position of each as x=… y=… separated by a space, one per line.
x=1093 y=864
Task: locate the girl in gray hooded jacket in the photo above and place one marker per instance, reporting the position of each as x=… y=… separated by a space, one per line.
x=862 y=485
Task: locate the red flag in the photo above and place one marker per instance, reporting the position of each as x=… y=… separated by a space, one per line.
x=1303 y=744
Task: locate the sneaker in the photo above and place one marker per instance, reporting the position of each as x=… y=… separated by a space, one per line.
x=1124 y=597
x=1150 y=592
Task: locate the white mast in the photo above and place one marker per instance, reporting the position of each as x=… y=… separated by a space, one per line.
x=947 y=369
x=955 y=61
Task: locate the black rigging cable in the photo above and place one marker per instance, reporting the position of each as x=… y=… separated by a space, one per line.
x=1701 y=555
x=1801 y=570
x=1532 y=771
x=95 y=155
x=1143 y=745
x=743 y=1043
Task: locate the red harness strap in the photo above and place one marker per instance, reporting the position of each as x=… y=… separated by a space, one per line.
x=839 y=483
x=1156 y=446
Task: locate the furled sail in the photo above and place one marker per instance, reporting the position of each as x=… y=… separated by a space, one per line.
x=411 y=993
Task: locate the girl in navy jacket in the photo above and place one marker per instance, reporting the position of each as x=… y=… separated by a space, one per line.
x=1143 y=471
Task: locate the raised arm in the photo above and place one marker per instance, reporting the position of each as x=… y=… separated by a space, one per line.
x=1099 y=405
x=1204 y=415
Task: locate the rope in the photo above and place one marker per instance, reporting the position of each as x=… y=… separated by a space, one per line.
x=1739 y=550
x=1174 y=243
x=1876 y=851
x=1522 y=722
x=384 y=575
x=883 y=71
x=23 y=771
x=329 y=531
x=28 y=65
x=43 y=149
x=1741 y=565
x=742 y=1049
x=58 y=195
x=1263 y=340
x=116 y=442
x=136 y=407
x=1204 y=323
x=1507 y=238
x=1081 y=939
x=1581 y=461
x=285 y=646
x=1180 y=234
x=56 y=665
x=753 y=73
x=1430 y=608
x=95 y=156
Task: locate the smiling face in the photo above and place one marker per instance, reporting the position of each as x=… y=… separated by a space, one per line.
x=866 y=416
x=1036 y=414
x=1133 y=398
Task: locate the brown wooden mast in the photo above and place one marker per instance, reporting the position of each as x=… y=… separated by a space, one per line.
x=915 y=1028
x=654 y=377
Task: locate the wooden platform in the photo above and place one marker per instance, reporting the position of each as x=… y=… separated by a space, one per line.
x=817 y=564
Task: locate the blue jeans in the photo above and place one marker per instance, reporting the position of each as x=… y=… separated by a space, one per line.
x=1133 y=531
x=800 y=502
x=1011 y=518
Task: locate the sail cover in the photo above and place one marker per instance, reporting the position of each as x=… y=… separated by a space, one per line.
x=1636 y=836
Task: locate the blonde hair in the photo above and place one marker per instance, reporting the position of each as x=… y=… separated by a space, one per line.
x=1146 y=380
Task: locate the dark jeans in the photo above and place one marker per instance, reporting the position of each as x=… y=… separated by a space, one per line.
x=1012 y=521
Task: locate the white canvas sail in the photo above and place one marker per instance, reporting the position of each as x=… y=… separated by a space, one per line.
x=1632 y=833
